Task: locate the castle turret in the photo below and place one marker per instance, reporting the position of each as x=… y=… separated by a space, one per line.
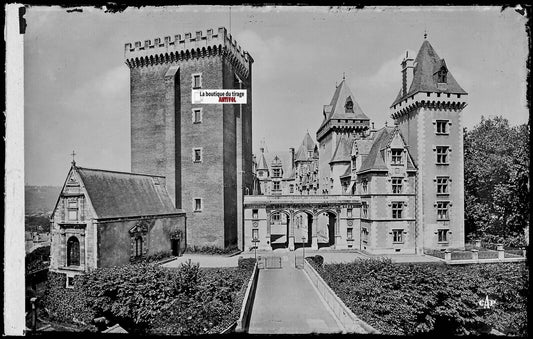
x=428 y=111
x=344 y=120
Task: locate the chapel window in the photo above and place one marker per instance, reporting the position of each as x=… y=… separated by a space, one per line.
x=73 y=251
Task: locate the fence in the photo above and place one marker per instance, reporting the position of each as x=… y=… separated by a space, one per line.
x=477 y=254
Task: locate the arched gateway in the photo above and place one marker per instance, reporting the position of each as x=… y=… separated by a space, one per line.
x=272 y=222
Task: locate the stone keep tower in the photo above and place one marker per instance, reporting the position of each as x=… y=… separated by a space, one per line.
x=204 y=151
x=428 y=110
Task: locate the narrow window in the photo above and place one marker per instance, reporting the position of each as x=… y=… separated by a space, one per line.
x=254 y=214
x=365 y=210
x=442 y=155
x=350 y=233
x=72 y=209
x=442 y=126
x=276 y=185
x=73 y=252
x=349 y=212
x=255 y=234
x=196 y=81
x=442 y=235
x=291 y=188
x=197 y=204
x=442 y=185
x=197 y=155
x=397 y=209
x=365 y=186
x=197 y=116
x=442 y=75
x=397 y=185
x=138 y=246
x=443 y=210
x=396 y=156
x=276 y=172
x=397 y=236
x=276 y=217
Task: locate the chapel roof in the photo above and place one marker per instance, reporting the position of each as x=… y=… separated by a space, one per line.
x=121 y=194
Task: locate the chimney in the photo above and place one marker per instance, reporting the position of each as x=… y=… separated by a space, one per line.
x=291 y=151
x=407 y=72
x=373 y=128
x=262 y=150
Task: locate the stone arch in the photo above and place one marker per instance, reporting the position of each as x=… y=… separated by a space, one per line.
x=303 y=231
x=331 y=225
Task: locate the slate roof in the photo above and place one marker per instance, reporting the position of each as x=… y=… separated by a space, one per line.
x=374 y=160
x=427 y=63
x=363 y=145
x=121 y=194
x=347 y=173
x=336 y=110
x=343 y=149
x=285 y=159
x=307 y=145
x=262 y=164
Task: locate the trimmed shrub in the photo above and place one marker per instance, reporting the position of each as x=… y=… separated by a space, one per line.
x=212 y=250
x=409 y=299
x=67 y=305
x=246 y=263
x=319 y=260
x=150 y=299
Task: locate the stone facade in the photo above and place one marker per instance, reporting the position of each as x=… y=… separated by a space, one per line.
x=165 y=132
x=395 y=189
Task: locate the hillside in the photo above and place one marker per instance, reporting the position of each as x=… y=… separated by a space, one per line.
x=40 y=199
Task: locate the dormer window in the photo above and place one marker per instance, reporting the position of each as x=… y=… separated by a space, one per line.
x=442 y=75
x=396 y=156
x=349 y=105
x=276 y=172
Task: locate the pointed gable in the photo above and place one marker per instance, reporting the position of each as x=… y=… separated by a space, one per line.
x=307 y=145
x=427 y=65
x=343 y=105
x=262 y=164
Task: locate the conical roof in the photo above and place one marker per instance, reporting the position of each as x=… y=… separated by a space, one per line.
x=337 y=107
x=307 y=145
x=427 y=64
x=262 y=164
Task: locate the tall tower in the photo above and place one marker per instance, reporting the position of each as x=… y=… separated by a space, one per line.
x=204 y=151
x=343 y=121
x=428 y=111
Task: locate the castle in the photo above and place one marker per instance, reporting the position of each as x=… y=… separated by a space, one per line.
x=395 y=189
x=195 y=180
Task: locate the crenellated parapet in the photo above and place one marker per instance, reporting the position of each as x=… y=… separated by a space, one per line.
x=428 y=100
x=181 y=48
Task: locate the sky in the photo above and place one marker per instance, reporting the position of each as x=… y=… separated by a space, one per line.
x=77 y=86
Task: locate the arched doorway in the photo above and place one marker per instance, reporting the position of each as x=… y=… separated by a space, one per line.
x=303 y=224
x=279 y=229
x=326 y=224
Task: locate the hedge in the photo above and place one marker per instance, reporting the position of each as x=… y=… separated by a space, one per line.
x=410 y=299
x=150 y=299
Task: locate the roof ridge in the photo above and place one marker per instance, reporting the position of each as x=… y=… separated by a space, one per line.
x=119 y=172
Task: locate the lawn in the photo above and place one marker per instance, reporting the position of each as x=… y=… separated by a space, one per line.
x=405 y=299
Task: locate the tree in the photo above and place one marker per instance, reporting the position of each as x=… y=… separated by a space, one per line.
x=496 y=179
